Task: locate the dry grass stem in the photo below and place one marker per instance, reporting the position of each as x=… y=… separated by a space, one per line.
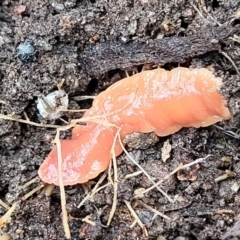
x=6 y=117
x=132 y=175
x=30 y=182
x=115 y=183
x=102 y=187
x=72 y=110
x=197 y=10
x=26 y=116
x=80 y=98
x=91 y=194
x=205 y=10
x=5 y=237
x=229 y=133
x=230 y=60
x=181 y=166
x=29 y=194
x=61 y=186
x=225 y=211
x=6 y=217
x=3 y=204
x=48 y=190
x=225 y=176
x=133 y=224
x=88 y=220
x=235 y=38
x=154 y=210
x=1 y=101
x=110 y=173
x=136 y=218
x=198 y=160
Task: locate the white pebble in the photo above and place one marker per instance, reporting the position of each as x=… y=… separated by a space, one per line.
x=50 y=106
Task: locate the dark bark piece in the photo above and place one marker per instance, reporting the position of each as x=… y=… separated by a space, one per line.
x=103 y=57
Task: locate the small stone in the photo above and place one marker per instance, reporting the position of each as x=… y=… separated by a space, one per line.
x=19 y=9
x=166 y=149
x=58 y=6
x=26 y=51
x=138 y=140
x=50 y=106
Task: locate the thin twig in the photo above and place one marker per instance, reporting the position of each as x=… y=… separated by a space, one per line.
x=230 y=59
x=61 y=186
x=229 y=133
x=199 y=160
x=205 y=10
x=6 y=117
x=115 y=183
x=196 y=9
x=181 y=166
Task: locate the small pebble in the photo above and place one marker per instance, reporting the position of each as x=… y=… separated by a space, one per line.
x=26 y=51
x=58 y=6
x=50 y=106
x=19 y=9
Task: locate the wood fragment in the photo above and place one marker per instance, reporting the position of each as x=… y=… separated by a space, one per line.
x=166 y=149
x=224 y=176
x=104 y=57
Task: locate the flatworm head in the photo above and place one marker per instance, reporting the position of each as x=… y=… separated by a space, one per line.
x=162 y=101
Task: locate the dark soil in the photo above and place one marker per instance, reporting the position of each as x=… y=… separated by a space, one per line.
x=90 y=44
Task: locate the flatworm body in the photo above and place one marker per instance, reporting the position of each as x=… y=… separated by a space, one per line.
x=157 y=101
